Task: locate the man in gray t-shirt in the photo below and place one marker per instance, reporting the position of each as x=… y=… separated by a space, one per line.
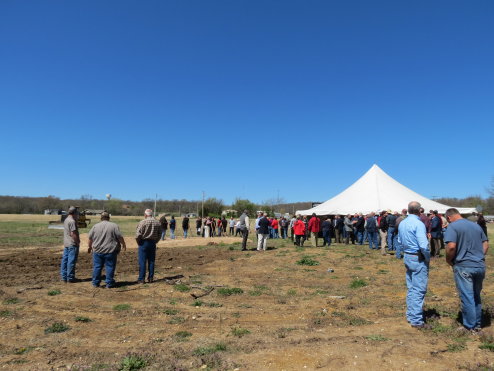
x=105 y=241
x=71 y=243
x=466 y=248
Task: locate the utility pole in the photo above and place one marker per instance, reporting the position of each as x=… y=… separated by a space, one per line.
x=202 y=210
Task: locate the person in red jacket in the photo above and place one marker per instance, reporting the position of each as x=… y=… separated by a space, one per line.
x=275 y=226
x=299 y=230
x=314 y=228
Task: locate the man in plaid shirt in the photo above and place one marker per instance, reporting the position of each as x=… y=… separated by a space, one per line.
x=148 y=233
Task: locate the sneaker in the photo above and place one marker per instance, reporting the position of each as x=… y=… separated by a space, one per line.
x=150 y=280
x=140 y=281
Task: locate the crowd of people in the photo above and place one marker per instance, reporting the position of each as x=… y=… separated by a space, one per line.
x=415 y=237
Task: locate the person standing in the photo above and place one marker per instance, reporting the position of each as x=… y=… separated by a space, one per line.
x=482 y=223
x=466 y=248
x=299 y=230
x=349 y=230
x=436 y=232
x=293 y=220
x=164 y=227
x=262 y=233
x=198 y=226
x=244 y=228
x=224 y=224
x=173 y=225
x=371 y=228
x=359 y=227
x=148 y=233
x=105 y=242
x=71 y=242
x=314 y=228
x=326 y=228
x=275 y=225
x=338 y=228
x=232 y=226
x=185 y=225
x=396 y=245
x=392 y=233
x=412 y=236
x=383 y=230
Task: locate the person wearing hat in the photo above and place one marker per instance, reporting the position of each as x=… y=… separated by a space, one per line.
x=105 y=242
x=148 y=233
x=71 y=242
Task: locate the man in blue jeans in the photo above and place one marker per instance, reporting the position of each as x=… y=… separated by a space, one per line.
x=413 y=238
x=466 y=248
x=105 y=241
x=148 y=233
x=71 y=244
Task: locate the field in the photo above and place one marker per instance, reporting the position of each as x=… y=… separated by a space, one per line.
x=284 y=309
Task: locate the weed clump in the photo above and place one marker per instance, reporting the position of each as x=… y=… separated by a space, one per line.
x=83 y=319
x=219 y=347
x=226 y=291
x=133 y=362
x=54 y=292
x=56 y=327
x=121 y=307
x=182 y=287
x=307 y=260
x=357 y=283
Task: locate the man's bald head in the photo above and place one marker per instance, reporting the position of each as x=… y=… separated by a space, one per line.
x=414 y=208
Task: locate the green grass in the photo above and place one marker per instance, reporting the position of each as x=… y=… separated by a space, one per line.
x=487 y=343
x=28 y=233
x=83 y=319
x=9 y=301
x=54 y=292
x=133 y=362
x=183 y=335
x=6 y=313
x=307 y=260
x=56 y=327
x=197 y=303
x=202 y=351
x=176 y=320
x=182 y=287
x=240 y=332
x=291 y=292
x=227 y=291
x=121 y=307
x=357 y=283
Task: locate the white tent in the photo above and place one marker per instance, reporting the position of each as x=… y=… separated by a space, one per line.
x=376 y=191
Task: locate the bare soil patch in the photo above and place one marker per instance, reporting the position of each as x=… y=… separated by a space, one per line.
x=266 y=312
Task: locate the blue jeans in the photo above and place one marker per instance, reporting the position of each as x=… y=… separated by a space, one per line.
x=69 y=260
x=372 y=237
x=185 y=232
x=397 y=247
x=469 y=285
x=110 y=262
x=163 y=234
x=391 y=238
x=172 y=233
x=360 y=238
x=417 y=275
x=326 y=236
x=146 y=254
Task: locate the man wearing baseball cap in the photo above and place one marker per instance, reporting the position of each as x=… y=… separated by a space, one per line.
x=71 y=244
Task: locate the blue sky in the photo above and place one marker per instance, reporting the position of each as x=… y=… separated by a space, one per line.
x=250 y=99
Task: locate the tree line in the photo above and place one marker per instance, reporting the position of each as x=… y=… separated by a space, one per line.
x=212 y=206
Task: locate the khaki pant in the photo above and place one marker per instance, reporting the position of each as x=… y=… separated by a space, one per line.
x=383 y=241
x=313 y=238
x=337 y=238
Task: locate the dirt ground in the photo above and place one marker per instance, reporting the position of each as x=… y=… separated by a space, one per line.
x=286 y=316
